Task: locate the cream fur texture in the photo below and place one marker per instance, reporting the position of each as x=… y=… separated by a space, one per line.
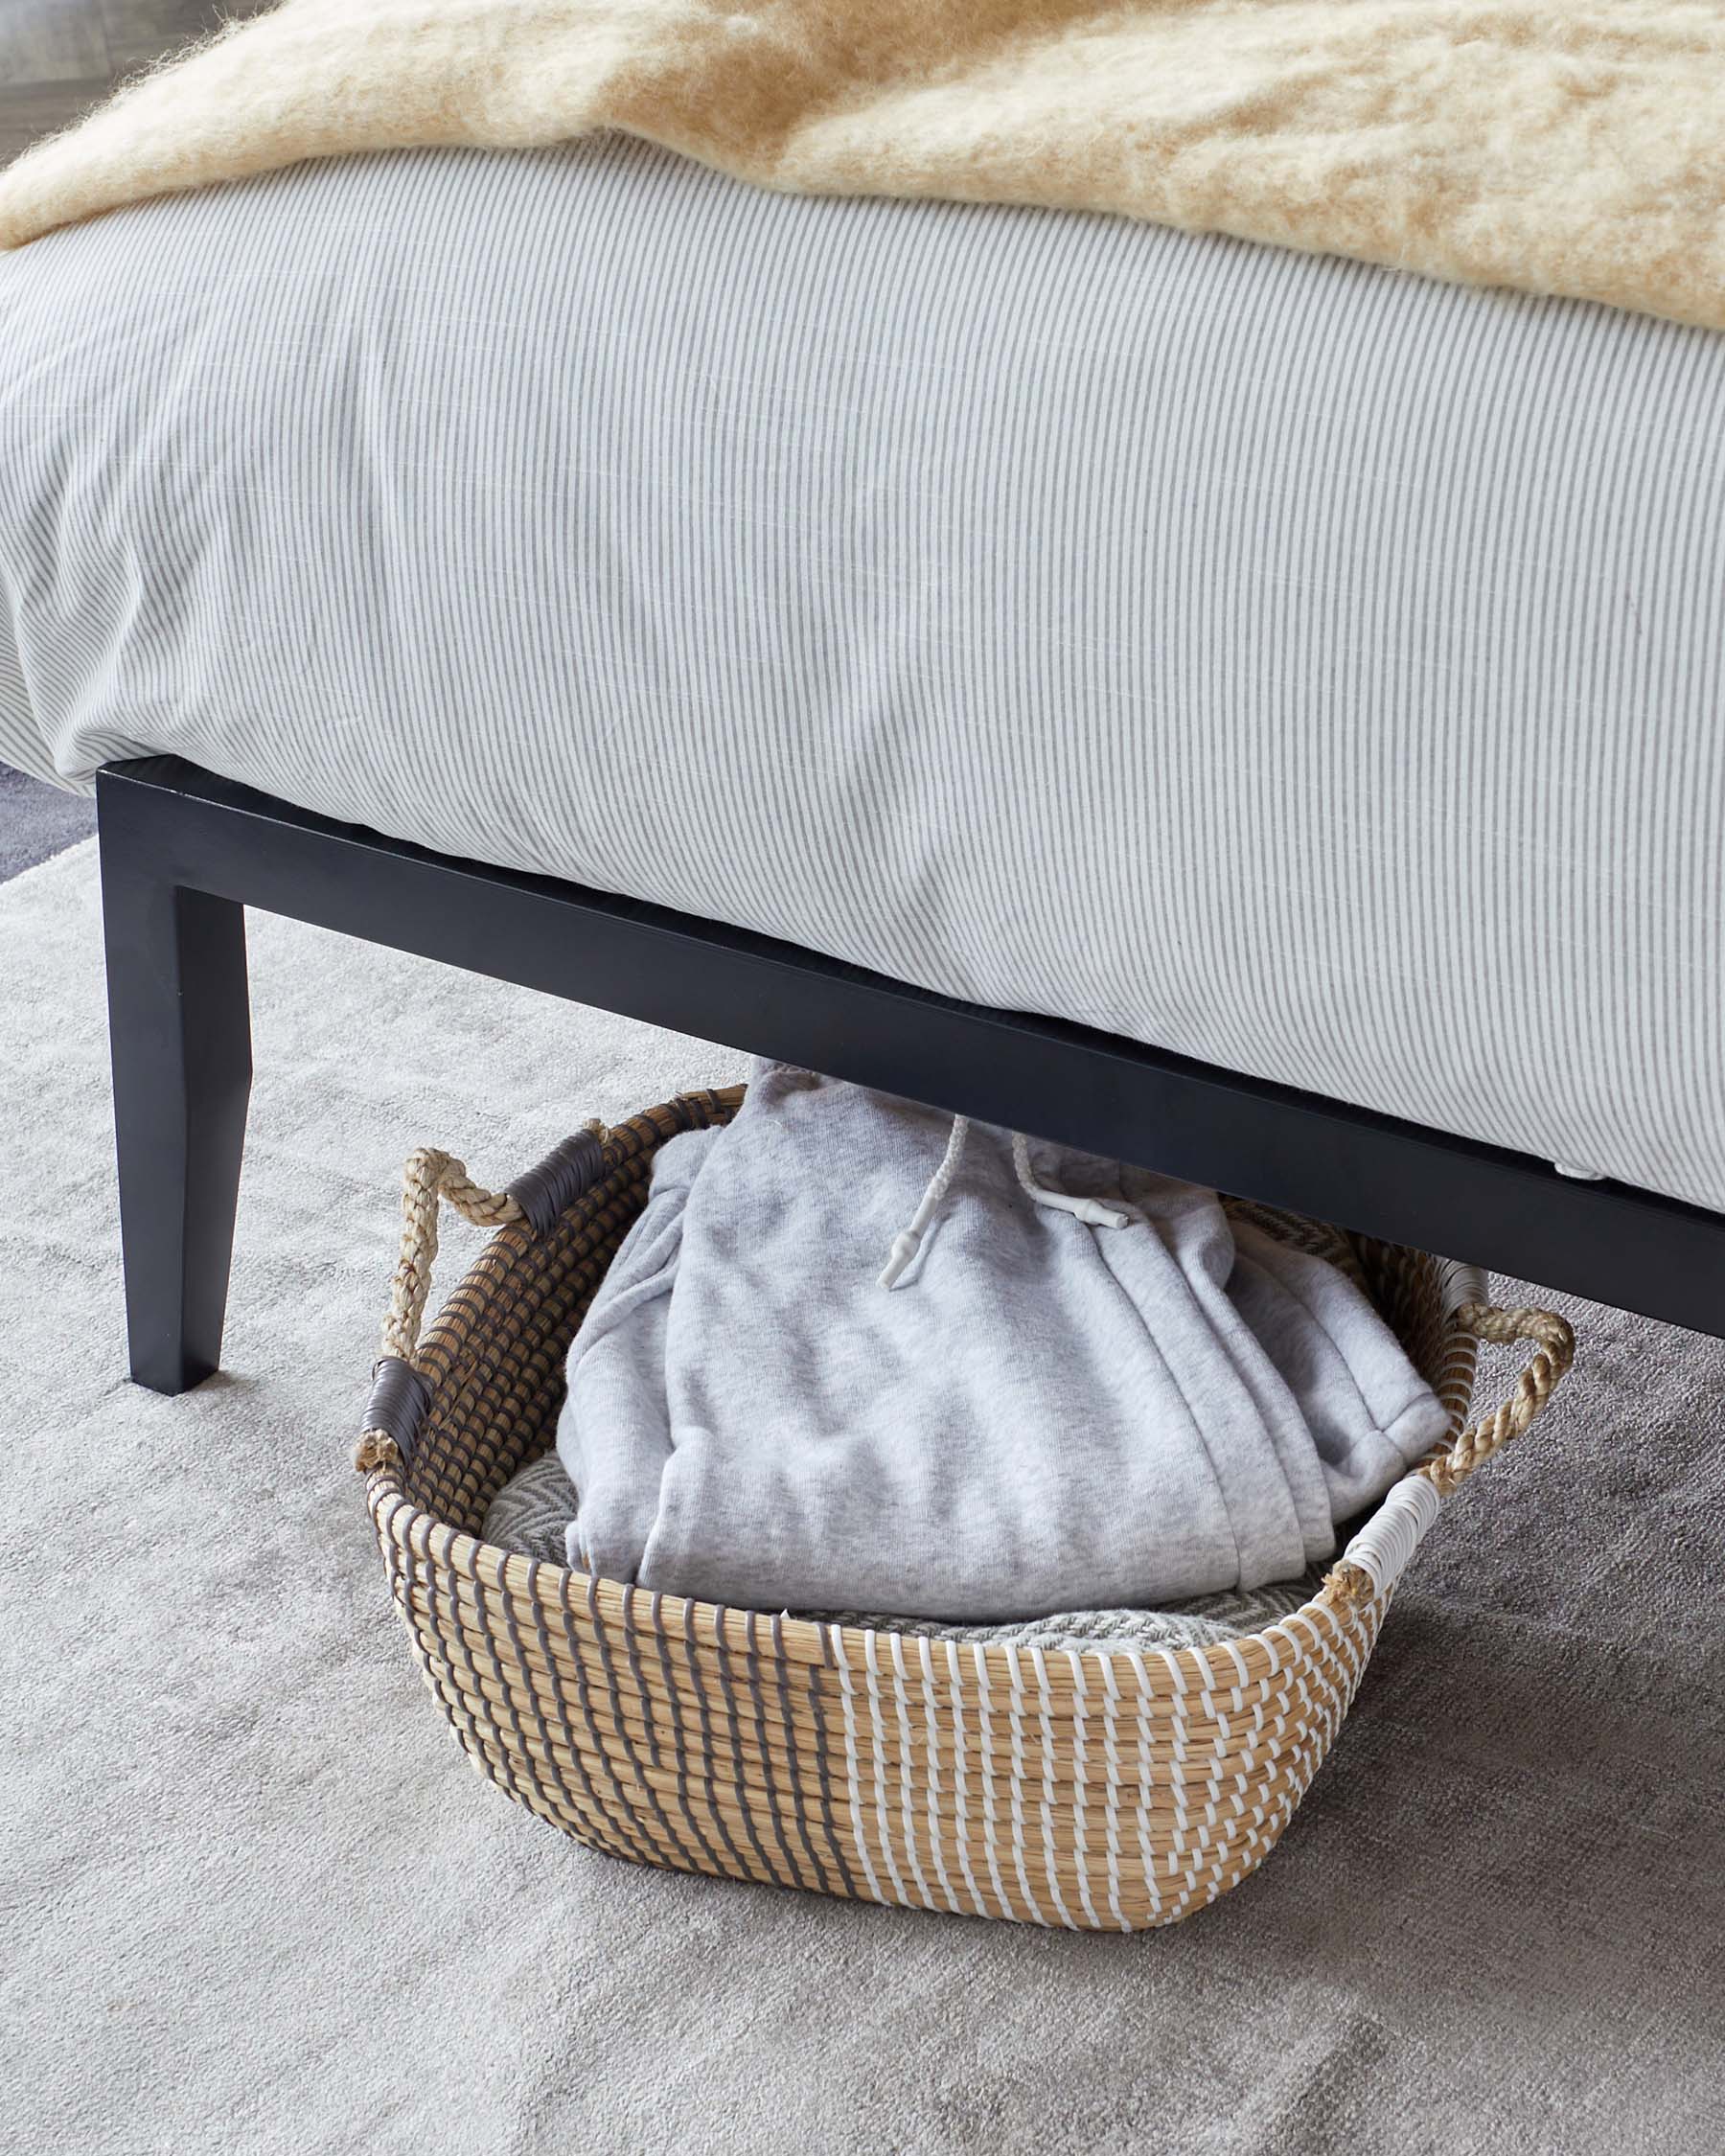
x=1558 y=146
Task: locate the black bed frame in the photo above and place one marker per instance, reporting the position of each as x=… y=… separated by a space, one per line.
x=183 y=854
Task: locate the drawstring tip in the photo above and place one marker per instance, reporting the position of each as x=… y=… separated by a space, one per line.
x=1095 y=1214
x=904 y=1248
x=1092 y=1211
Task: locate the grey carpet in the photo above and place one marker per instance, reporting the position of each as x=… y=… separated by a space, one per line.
x=37 y=822
x=255 y=1899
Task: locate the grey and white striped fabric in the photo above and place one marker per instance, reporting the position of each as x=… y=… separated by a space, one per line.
x=1309 y=668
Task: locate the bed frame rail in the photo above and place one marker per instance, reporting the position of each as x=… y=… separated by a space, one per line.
x=183 y=853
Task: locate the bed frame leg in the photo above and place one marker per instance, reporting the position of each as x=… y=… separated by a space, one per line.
x=179 y=1036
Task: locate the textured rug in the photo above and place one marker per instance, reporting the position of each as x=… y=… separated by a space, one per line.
x=37 y=822
x=255 y=1900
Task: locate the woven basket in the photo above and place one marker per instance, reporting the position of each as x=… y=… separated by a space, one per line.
x=1090 y=1789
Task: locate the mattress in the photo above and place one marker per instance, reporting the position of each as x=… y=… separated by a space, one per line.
x=1306 y=667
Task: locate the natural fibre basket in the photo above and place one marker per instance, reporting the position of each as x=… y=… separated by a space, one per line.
x=1090 y=1789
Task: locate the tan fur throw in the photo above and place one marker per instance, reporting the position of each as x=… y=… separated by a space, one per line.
x=1561 y=146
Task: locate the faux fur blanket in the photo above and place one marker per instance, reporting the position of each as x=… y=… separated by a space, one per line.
x=1561 y=146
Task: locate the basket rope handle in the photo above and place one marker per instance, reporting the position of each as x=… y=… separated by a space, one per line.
x=1555 y=1351
x=1375 y=1560
x=430 y=1175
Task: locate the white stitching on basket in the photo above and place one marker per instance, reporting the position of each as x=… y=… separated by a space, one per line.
x=1015 y=1710
x=932 y=1724
x=859 y=1826
x=1081 y=1790
x=991 y=1839
x=1045 y=1731
x=878 y=1743
x=907 y=1770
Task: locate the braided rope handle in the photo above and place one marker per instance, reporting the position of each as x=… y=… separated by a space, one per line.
x=431 y=1175
x=1449 y=1467
x=1377 y=1555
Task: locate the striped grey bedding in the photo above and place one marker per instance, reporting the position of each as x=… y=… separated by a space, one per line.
x=1309 y=668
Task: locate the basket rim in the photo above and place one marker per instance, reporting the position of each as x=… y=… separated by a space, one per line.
x=1325 y=1625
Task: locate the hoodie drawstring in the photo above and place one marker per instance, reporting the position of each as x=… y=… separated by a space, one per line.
x=908 y=1240
x=905 y=1243
x=1092 y=1212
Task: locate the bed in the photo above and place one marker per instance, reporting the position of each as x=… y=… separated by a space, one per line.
x=1307 y=674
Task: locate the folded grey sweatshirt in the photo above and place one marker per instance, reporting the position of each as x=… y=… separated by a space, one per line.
x=531 y=1514
x=1045 y=1413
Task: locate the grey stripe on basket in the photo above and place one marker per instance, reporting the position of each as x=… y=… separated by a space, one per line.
x=591 y=1812
x=674 y=1716
x=418 y=1563
x=506 y=1673
x=486 y=1728
x=816 y=1874
x=1310 y=668
x=721 y=1663
x=622 y=1820
x=674 y=1841
x=631 y=1635
x=822 y=1769
x=752 y=1664
x=704 y=1717
x=560 y=1803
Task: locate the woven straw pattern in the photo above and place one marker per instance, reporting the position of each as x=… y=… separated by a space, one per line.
x=1087 y=1789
